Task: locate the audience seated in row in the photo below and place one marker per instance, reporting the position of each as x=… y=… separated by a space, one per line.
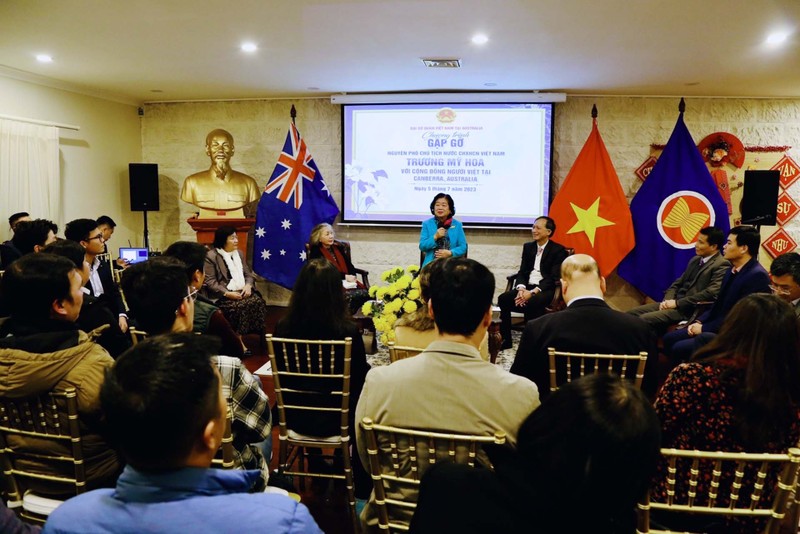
x=746 y=276
x=583 y=459
x=165 y=409
x=418 y=329
x=587 y=325
x=739 y=393
x=448 y=387
x=162 y=299
x=41 y=349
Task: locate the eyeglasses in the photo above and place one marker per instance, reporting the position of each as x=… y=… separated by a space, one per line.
x=98 y=236
x=192 y=294
x=779 y=290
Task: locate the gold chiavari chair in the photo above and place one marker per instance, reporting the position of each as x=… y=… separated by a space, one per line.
x=400 y=352
x=312 y=381
x=567 y=366
x=732 y=484
x=51 y=419
x=399 y=457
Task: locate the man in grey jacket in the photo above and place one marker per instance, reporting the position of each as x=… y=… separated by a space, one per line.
x=700 y=282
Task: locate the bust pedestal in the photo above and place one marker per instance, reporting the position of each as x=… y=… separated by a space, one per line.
x=205 y=228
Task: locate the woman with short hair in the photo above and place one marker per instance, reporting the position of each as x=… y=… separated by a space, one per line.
x=229 y=284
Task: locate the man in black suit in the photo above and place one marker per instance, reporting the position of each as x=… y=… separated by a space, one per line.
x=536 y=280
x=587 y=325
x=700 y=282
x=104 y=304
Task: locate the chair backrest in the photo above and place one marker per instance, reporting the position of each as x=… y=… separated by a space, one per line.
x=578 y=364
x=401 y=352
x=725 y=484
x=312 y=378
x=136 y=335
x=399 y=457
x=52 y=420
x=224 y=457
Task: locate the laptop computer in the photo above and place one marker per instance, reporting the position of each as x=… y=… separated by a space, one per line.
x=133 y=255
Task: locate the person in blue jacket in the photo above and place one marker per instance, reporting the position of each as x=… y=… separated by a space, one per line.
x=442 y=236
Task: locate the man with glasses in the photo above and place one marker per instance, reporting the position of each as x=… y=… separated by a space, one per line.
x=785 y=276
x=535 y=285
x=162 y=300
x=105 y=305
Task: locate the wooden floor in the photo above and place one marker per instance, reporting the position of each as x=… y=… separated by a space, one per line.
x=325 y=499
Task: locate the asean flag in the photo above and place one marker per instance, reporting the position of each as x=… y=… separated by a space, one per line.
x=592 y=207
x=678 y=199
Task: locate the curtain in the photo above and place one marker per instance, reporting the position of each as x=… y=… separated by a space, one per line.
x=29 y=170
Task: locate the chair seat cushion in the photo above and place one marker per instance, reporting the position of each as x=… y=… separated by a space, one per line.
x=39 y=505
x=304 y=437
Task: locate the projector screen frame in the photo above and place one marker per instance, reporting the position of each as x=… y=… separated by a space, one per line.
x=444 y=99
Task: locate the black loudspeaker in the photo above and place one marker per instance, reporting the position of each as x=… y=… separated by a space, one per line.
x=760 y=200
x=144 y=186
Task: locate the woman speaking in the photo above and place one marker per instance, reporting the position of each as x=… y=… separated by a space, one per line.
x=442 y=236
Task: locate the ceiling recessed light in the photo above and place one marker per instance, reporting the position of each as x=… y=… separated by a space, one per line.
x=249 y=47
x=44 y=58
x=480 y=39
x=777 y=38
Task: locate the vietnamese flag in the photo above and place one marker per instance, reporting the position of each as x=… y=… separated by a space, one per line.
x=592 y=207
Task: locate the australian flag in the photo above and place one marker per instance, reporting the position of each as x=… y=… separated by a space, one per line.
x=677 y=200
x=295 y=200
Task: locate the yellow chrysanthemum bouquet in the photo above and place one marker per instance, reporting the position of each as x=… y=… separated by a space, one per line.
x=391 y=302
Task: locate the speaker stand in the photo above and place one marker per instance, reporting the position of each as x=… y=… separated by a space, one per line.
x=146 y=232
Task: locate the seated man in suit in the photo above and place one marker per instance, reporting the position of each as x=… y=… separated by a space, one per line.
x=105 y=305
x=162 y=300
x=587 y=325
x=165 y=409
x=700 y=282
x=785 y=276
x=448 y=387
x=536 y=280
x=745 y=276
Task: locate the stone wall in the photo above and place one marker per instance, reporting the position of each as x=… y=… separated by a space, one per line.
x=173 y=135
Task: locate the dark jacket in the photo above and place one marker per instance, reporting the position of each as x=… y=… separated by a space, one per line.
x=550 y=265
x=588 y=326
x=751 y=278
x=36 y=359
x=698 y=283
